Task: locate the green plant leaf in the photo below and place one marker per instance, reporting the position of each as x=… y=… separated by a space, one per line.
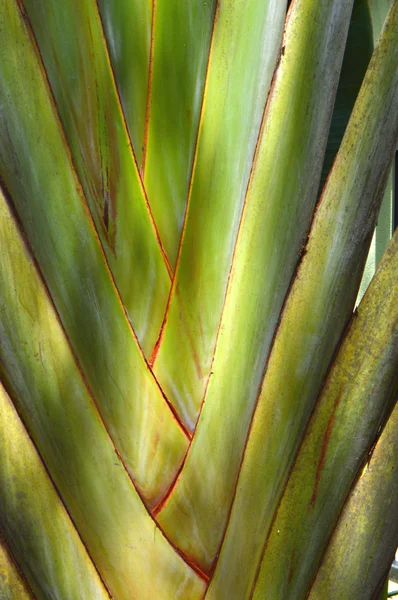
x=41 y=375
x=187 y=395
x=260 y=275
x=35 y=522
x=127 y=25
x=316 y=311
x=363 y=545
x=358 y=397
x=377 y=10
x=36 y=170
x=244 y=50
x=82 y=83
x=136 y=426
x=181 y=42
x=357 y=54
x=12 y=585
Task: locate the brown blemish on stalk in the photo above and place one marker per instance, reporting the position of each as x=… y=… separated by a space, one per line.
x=325 y=443
x=290 y=575
x=292 y=564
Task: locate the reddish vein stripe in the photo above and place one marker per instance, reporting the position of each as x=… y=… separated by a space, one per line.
x=303 y=438
x=149 y=94
x=84 y=201
x=167 y=495
x=174 y=280
x=265 y=113
x=85 y=382
x=120 y=105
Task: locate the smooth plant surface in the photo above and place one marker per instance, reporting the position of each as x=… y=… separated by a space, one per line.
x=192 y=403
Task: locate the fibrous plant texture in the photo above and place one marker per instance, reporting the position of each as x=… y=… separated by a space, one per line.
x=191 y=404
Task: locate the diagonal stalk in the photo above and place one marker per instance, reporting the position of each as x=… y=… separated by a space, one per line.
x=300 y=105
x=316 y=311
x=354 y=404
x=50 y=205
x=217 y=194
x=95 y=128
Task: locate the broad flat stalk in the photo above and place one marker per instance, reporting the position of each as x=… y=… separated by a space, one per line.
x=316 y=312
x=277 y=214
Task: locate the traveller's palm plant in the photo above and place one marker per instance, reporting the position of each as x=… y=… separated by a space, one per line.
x=190 y=405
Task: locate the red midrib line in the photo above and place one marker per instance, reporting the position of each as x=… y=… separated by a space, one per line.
x=127 y=130
x=149 y=93
x=87 y=209
x=91 y=222
x=161 y=504
x=190 y=563
x=265 y=113
x=158 y=343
